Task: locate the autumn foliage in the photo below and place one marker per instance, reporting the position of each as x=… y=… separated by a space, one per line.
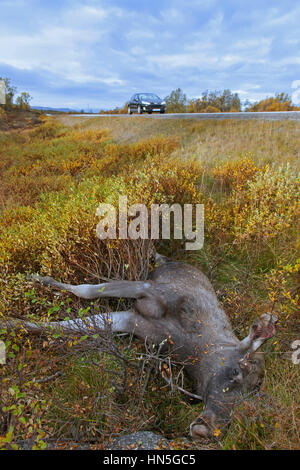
x=52 y=180
x=281 y=102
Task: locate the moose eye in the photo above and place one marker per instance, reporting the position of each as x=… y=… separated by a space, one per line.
x=236 y=376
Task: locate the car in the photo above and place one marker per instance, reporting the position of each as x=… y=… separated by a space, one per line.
x=146 y=102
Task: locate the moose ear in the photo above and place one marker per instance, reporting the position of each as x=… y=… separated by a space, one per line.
x=261 y=330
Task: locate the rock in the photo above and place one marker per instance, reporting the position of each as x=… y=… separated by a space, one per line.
x=35 y=121
x=139 y=441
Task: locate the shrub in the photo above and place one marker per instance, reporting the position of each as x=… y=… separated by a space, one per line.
x=236 y=174
x=49 y=130
x=211 y=109
x=270 y=206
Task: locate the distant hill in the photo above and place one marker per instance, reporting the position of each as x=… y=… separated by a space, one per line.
x=48 y=108
x=64 y=110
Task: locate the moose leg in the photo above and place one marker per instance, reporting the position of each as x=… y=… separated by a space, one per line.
x=262 y=329
x=123 y=322
x=150 y=301
x=126 y=289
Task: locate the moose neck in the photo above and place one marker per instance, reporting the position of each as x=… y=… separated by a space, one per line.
x=212 y=347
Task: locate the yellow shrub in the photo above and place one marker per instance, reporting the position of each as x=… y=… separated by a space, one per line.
x=281 y=292
x=98 y=135
x=270 y=204
x=119 y=158
x=211 y=109
x=160 y=180
x=236 y=174
x=49 y=129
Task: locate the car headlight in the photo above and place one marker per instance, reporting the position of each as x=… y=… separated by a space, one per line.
x=163 y=102
x=145 y=102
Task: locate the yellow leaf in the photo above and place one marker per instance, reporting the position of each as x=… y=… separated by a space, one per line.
x=217 y=432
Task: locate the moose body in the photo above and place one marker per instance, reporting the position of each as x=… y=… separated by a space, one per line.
x=178 y=304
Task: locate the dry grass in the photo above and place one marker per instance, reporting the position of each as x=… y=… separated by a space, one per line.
x=210 y=141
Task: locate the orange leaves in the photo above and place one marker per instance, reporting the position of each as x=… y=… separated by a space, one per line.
x=281 y=102
x=166 y=370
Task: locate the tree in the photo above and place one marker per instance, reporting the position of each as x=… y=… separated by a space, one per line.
x=283 y=98
x=230 y=101
x=10 y=91
x=22 y=101
x=281 y=102
x=225 y=101
x=176 y=102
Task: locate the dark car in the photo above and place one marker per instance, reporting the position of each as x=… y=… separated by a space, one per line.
x=146 y=102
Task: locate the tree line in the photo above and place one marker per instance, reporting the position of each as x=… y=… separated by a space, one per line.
x=225 y=101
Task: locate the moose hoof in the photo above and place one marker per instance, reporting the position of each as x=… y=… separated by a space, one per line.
x=44 y=280
x=267 y=318
x=265 y=327
x=199 y=431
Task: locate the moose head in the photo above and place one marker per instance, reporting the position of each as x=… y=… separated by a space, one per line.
x=241 y=376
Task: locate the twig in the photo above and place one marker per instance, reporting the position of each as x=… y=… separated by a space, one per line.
x=150 y=369
x=172 y=385
x=47 y=379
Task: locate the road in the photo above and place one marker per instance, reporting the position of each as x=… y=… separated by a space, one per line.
x=265 y=116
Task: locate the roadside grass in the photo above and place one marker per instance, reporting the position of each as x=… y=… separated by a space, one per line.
x=52 y=180
x=211 y=142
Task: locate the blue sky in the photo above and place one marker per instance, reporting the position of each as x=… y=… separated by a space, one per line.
x=97 y=53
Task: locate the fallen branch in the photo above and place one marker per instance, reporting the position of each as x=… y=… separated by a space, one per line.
x=47 y=379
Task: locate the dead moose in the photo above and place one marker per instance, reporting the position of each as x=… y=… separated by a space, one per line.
x=179 y=302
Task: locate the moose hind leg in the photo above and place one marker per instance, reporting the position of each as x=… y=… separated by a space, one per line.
x=122 y=322
x=126 y=289
x=150 y=307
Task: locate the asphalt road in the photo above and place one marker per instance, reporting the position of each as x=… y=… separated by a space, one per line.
x=265 y=116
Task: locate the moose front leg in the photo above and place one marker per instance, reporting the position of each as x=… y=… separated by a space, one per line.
x=262 y=329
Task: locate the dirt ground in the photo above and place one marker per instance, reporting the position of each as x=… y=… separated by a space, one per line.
x=18 y=119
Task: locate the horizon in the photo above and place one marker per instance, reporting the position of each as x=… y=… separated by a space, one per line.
x=94 y=54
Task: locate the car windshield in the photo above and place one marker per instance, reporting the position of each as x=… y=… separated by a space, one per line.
x=149 y=97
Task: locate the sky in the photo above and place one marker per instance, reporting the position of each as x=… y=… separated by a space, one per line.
x=97 y=53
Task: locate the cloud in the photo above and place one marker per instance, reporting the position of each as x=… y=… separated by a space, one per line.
x=102 y=51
